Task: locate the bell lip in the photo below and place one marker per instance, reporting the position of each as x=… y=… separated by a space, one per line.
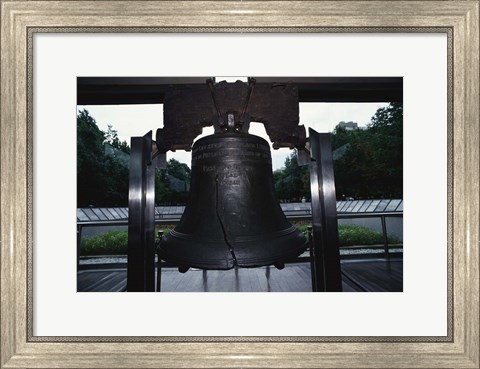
x=204 y=264
x=242 y=263
x=256 y=264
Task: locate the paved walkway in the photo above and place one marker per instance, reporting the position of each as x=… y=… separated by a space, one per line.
x=359 y=275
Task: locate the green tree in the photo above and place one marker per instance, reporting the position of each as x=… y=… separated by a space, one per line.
x=178 y=170
x=162 y=187
x=372 y=162
x=340 y=137
x=172 y=184
x=111 y=137
x=90 y=160
x=102 y=180
x=292 y=181
x=367 y=162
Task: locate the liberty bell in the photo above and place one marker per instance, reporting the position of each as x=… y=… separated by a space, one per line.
x=232 y=217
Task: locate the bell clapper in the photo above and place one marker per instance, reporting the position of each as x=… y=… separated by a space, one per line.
x=279 y=265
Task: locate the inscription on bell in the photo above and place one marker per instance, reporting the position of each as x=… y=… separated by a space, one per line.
x=232 y=148
x=230 y=183
x=228 y=153
x=211 y=146
x=230 y=167
x=230 y=175
x=209 y=168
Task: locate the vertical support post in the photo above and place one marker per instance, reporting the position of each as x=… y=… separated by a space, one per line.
x=326 y=251
x=159 y=263
x=159 y=273
x=79 y=243
x=149 y=224
x=141 y=217
x=312 y=259
x=385 y=237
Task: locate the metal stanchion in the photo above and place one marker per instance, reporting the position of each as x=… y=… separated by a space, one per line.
x=79 y=243
x=141 y=217
x=159 y=261
x=385 y=237
x=326 y=254
x=312 y=258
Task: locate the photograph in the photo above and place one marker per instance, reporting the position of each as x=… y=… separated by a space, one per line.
x=230 y=191
x=244 y=168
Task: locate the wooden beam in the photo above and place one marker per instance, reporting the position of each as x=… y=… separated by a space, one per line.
x=151 y=90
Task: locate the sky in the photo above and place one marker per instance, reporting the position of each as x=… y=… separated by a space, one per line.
x=137 y=120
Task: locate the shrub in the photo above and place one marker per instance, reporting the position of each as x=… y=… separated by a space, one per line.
x=352 y=235
x=303 y=227
x=109 y=243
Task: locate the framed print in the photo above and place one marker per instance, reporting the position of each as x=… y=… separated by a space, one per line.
x=432 y=45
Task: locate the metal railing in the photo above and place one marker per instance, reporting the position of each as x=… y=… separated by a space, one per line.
x=382 y=217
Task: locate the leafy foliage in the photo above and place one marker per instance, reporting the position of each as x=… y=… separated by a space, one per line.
x=173 y=183
x=372 y=164
x=355 y=235
x=368 y=162
x=102 y=180
x=178 y=170
x=352 y=235
x=292 y=182
x=111 y=137
x=109 y=243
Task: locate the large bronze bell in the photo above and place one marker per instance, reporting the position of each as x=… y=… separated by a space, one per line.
x=233 y=216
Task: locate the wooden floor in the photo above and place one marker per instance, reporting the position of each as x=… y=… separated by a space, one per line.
x=359 y=275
